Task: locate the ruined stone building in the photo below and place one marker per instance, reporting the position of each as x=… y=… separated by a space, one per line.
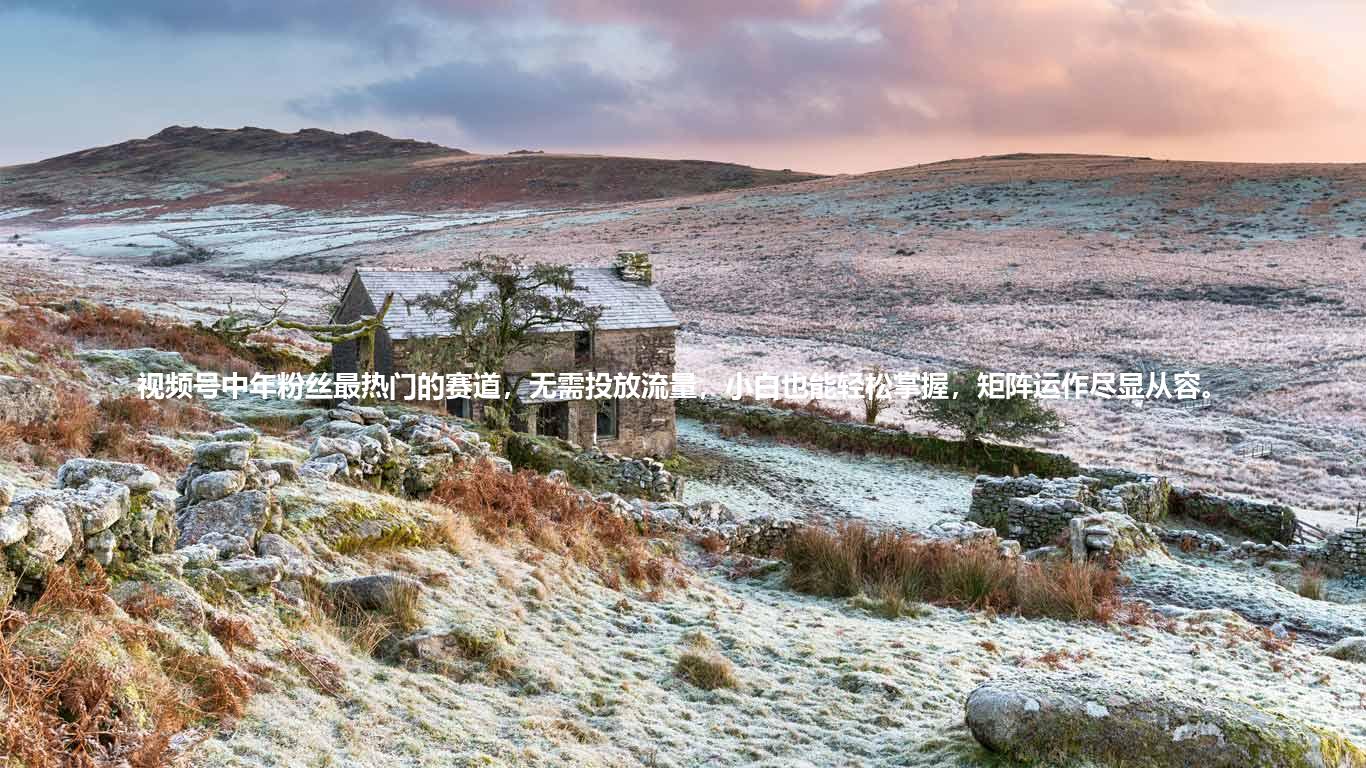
x=635 y=334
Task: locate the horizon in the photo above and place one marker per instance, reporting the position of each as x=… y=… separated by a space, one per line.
x=474 y=152
x=825 y=86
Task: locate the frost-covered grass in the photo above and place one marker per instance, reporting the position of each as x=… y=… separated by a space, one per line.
x=251 y=236
x=763 y=477
x=817 y=682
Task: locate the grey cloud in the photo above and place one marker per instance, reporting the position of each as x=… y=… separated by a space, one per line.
x=496 y=101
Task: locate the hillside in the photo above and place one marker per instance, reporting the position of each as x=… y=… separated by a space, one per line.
x=183 y=168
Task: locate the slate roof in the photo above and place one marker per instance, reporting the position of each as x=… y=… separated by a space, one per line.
x=625 y=304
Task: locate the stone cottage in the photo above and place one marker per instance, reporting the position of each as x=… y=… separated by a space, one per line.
x=635 y=334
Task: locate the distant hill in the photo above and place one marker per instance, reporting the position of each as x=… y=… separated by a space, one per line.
x=192 y=167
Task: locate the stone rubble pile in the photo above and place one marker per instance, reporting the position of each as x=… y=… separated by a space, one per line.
x=761 y=536
x=407 y=455
x=637 y=477
x=644 y=476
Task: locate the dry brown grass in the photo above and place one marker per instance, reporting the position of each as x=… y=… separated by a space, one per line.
x=367 y=630
x=106 y=326
x=231 y=631
x=899 y=569
x=503 y=506
x=713 y=543
x=147 y=604
x=114 y=695
x=114 y=428
x=703 y=666
x=1312 y=583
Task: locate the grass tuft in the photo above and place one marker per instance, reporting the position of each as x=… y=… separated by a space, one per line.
x=1312 y=583
x=897 y=570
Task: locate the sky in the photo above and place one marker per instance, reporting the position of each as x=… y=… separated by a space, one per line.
x=832 y=86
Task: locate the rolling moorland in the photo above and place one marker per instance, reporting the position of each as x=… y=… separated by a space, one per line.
x=1250 y=275
x=351 y=586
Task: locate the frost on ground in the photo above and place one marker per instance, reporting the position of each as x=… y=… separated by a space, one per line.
x=820 y=683
x=1250 y=275
x=760 y=477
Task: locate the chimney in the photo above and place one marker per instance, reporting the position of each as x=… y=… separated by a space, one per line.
x=634 y=266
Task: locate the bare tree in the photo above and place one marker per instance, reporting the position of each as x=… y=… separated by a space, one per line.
x=874 y=393
x=234 y=328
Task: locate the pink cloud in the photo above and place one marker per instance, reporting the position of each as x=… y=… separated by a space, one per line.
x=1143 y=67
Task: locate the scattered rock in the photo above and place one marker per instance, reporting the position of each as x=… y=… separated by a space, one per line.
x=13 y=527
x=1081 y=717
x=1348 y=649
x=47 y=541
x=237 y=435
x=136 y=477
x=247 y=573
x=243 y=514
x=212 y=486
x=377 y=592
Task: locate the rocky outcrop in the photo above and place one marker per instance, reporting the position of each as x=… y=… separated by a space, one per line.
x=109 y=510
x=24 y=401
x=1069 y=718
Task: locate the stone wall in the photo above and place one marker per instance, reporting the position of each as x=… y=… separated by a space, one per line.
x=1036 y=511
x=645 y=427
x=830 y=434
x=643 y=477
x=1264 y=521
x=1345 y=550
x=1032 y=510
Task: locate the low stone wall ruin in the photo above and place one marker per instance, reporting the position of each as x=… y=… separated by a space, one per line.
x=633 y=477
x=1264 y=522
x=1036 y=511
